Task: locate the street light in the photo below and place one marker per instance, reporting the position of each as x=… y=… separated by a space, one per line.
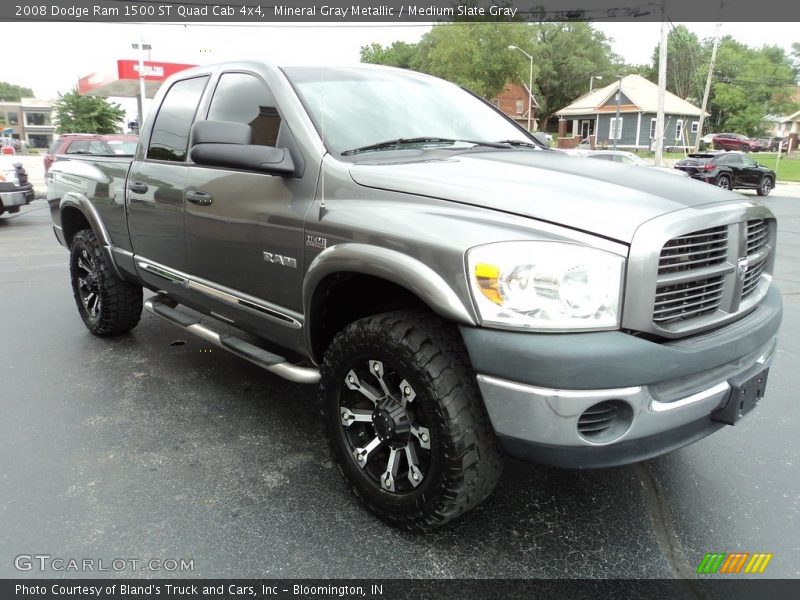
x=591 y=81
x=530 y=83
x=140 y=100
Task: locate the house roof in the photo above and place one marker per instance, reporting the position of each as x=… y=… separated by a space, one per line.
x=640 y=91
x=791 y=118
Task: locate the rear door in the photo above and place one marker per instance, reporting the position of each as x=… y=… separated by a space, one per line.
x=156 y=183
x=245 y=234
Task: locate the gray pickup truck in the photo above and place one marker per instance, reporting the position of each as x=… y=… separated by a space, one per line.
x=456 y=290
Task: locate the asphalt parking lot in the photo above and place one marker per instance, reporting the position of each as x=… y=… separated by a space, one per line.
x=151 y=446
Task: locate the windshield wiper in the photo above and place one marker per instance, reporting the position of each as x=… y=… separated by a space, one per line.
x=419 y=140
x=520 y=144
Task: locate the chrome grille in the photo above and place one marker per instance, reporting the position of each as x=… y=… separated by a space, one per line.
x=680 y=301
x=752 y=277
x=757 y=235
x=704 y=248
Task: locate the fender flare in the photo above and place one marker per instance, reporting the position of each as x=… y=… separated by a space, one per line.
x=399 y=268
x=83 y=205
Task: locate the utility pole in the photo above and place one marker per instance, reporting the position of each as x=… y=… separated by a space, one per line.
x=617 y=128
x=662 y=90
x=707 y=90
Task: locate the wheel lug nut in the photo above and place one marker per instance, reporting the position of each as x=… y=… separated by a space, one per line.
x=407 y=391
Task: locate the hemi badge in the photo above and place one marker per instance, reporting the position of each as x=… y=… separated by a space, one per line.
x=316 y=241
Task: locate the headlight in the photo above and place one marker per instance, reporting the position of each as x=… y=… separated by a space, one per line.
x=546 y=285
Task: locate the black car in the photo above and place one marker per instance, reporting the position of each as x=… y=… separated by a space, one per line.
x=729 y=170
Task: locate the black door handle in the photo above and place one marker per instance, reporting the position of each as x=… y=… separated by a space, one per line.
x=198 y=197
x=137 y=187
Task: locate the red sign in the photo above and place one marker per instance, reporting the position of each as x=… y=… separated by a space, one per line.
x=153 y=71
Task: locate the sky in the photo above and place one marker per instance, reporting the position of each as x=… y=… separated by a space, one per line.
x=53 y=56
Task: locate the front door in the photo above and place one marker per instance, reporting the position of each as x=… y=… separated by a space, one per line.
x=244 y=230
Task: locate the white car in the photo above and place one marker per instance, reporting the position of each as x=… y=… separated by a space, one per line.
x=626 y=158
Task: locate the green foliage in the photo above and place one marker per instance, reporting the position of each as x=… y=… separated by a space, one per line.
x=476 y=56
x=748 y=85
x=687 y=64
x=14 y=93
x=87 y=114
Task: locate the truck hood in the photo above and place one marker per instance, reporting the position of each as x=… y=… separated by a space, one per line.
x=594 y=196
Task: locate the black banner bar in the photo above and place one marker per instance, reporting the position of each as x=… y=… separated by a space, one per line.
x=392 y=589
x=398 y=11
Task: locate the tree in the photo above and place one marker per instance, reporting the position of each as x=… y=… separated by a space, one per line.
x=14 y=93
x=748 y=85
x=567 y=56
x=687 y=64
x=476 y=56
x=87 y=114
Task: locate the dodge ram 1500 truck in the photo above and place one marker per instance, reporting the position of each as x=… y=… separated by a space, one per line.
x=456 y=290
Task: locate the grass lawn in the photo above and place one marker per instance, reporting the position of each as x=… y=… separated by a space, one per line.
x=788 y=169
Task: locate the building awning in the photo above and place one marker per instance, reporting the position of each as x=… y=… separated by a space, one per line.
x=123 y=81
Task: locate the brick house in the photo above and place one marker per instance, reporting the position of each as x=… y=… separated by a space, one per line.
x=513 y=101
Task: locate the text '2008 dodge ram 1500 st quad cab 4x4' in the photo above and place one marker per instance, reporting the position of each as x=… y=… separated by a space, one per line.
x=456 y=290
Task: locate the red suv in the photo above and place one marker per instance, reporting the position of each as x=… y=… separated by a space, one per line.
x=90 y=143
x=734 y=141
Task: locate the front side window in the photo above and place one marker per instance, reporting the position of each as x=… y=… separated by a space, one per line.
x=169 y=139
x=243 y=98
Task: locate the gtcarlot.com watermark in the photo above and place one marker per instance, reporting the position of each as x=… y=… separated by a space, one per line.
x=46 y=563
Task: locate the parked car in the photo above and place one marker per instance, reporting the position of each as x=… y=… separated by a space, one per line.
x=92 y=144
x=735 y=141
x=15 y=189
x=628 y=158
x=731 y=170
x=452 y=290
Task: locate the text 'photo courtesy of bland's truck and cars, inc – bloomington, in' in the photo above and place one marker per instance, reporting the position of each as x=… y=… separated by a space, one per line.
x=400 y=275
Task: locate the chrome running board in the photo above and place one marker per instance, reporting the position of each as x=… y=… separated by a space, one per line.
x=164 y=307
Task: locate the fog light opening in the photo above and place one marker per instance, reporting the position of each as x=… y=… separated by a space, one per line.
x=605 y=421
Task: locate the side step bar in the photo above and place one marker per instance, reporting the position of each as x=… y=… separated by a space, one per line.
x=164 y=307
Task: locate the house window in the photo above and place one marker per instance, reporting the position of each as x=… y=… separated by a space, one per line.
x=679 y=129
x=695 y=126
x=519 y=107
x=496 y=102
x=653 y=129
x=37 y=118
x=615 y=129
x=2 y=116
x=13 y=118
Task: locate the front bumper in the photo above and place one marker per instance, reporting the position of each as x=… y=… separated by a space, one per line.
x=537 y=386
x=11 y=199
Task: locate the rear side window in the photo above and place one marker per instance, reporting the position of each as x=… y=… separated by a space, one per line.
x=169 y=139
x=244 y=98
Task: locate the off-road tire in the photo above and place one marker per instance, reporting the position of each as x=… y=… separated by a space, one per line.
x=465 y=459
x=120 y=302
x=765 y=186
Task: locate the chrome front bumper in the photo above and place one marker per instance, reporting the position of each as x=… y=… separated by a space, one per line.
x=529 y=418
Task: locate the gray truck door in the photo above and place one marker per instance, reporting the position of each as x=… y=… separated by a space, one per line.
x=245 y=232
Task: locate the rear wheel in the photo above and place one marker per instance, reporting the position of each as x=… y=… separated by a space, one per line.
x=405 y=421
x=765 y=187
x=106 y=303
x=724 y=182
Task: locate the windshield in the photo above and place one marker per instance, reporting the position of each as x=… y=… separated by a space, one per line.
x=356 y=107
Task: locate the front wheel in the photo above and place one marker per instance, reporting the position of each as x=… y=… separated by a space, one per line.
x=765 y=187
x=724 y=182
x=107 y=304
x=406 y=422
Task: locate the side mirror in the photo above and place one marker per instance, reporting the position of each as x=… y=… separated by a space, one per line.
x=228 y=144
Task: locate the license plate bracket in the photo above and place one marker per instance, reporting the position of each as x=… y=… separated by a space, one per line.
x=746 y=390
